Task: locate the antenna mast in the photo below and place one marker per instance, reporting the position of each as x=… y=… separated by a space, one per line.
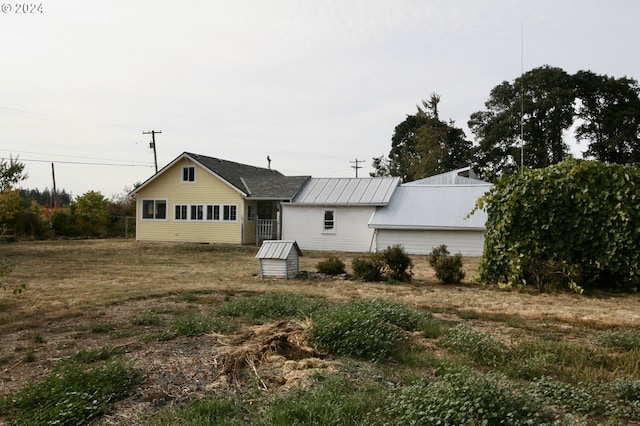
x=522 y=95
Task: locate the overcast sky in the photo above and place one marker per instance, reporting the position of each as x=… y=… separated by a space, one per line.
x=313 y=84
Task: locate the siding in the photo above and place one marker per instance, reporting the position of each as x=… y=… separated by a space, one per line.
x=305 y=224
x=207 y=189
x=468 y=243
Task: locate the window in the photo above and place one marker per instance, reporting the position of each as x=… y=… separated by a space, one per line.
x=229 y=212
x=208 y=212
x=189 y=174
x=197 y=212
x=181 y=212
x=329 y=220
x=251 y=213
x=154 y=209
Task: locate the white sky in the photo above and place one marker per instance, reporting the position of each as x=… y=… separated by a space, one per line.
x=313 y=84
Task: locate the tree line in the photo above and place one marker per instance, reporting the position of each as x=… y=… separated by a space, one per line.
x=525 y=122
x=31 y=213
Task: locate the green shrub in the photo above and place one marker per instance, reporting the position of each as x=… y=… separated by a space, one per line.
x=272 y=306
x=531 y=213
x=398 y=264
x=368 y=268
x=331 y=266
x=448 y=268
x=370 y=329
x=462 y=398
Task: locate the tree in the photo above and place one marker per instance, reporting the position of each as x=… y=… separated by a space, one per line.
x=11 y=173
x=609 y=110
x=423 y=145
x=538 y=107
x=572 y=224
x=90 y=213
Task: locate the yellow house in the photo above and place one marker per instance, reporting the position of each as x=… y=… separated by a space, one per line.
x=202 y=199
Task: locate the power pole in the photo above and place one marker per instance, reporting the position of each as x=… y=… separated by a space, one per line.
x=356 y=161
x=153 y=145
x=53 y=192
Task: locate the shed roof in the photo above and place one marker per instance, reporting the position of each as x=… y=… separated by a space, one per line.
x=432 y=207
x=277 y=249
x=374 y=191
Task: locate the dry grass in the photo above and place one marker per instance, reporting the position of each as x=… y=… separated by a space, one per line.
x=74 y=278
x=75 y=286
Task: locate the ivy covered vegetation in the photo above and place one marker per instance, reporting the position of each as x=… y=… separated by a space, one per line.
x=572 y=225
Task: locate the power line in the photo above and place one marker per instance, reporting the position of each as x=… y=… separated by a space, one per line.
x=80 y=162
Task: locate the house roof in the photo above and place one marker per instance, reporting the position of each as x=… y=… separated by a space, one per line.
x=250 y=181
x=463 y=176
x=374 y=191
x=277 y=249
x=443 y=207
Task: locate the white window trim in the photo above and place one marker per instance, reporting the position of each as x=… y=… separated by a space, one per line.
x=205 y=208
x=153 y=219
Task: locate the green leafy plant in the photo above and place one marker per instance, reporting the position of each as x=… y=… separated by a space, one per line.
x=481 y=347
x=448 y=268
x=368 y=268
x=463 y=398
x=531 y=213
x=371 y=329
x=71 y=394
x=397 y=263
x=331 y=266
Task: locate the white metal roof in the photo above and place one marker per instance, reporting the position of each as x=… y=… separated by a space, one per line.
x=463 y=176
x=432 y=207
x=373 y=191
x=277 y=249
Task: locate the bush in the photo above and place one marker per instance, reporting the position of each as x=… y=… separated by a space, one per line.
x=331 y=266
x=370 y=329
x=398 y=263
x=448 y=268
x=530 y=214
x=368 y=268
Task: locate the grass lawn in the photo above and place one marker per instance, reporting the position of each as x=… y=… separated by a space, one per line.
x=201 y=339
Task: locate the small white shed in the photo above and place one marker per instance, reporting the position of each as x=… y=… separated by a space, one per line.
x=279 y=259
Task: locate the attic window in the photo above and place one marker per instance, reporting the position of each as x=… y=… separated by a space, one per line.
x=188 y=174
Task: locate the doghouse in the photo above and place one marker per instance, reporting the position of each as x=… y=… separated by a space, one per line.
x=279 y=259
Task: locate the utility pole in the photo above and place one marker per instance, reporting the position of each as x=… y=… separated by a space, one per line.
x=356 y=161
x=153 y=145
x=53 y=193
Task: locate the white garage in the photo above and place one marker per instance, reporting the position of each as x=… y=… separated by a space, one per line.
x=420 y=217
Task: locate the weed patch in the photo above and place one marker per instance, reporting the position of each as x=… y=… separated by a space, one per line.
x=72 y=394
x=258 y=309
x=371 y=329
